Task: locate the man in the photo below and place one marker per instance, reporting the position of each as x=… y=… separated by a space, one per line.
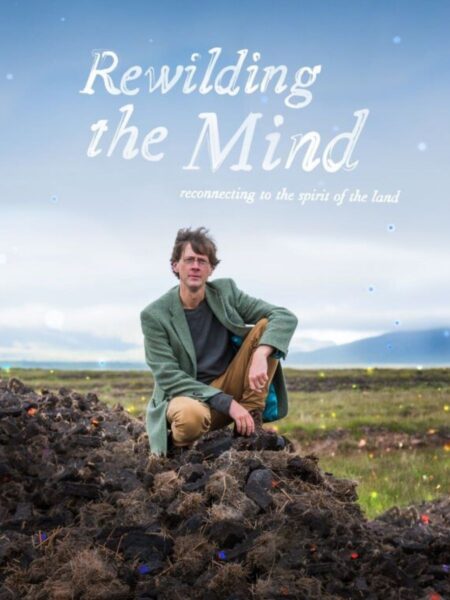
x=203 y=381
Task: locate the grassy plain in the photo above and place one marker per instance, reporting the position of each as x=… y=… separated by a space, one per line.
x=386 y=428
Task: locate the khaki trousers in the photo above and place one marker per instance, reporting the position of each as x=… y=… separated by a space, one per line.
x=190 y=418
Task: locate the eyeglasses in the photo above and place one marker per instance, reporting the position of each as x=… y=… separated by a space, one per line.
x=191 y=261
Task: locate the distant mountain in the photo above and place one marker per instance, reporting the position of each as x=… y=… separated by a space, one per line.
x=72 y=366
x=428 y=348
x=406 y=348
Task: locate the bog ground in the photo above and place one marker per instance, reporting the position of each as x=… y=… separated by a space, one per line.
x=86 y=513
x=389 y=429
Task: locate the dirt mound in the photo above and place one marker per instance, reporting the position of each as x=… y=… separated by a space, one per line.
x=87 y=514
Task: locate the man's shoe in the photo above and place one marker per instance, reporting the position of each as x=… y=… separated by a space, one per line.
x=261 y=439
x=270 y=439
x=175 y=451
x=257 y=417
x=258 y=421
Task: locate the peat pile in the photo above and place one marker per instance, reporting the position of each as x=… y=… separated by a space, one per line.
x=86 y=513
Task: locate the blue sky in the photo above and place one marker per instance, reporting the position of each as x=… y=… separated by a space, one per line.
x=85 y=242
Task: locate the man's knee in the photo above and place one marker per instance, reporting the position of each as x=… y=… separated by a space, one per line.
x=188 y=418
x=258 y=329
x=262 y=323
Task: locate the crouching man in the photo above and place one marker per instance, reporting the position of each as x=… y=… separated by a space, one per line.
x=214 y=353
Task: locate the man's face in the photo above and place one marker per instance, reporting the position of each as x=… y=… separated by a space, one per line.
x=193 y=269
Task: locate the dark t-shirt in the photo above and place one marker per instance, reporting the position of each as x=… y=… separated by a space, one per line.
x=213 y=350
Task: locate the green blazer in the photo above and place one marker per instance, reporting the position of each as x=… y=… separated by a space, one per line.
x=170 y=352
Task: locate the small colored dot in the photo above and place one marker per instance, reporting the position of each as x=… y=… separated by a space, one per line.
x=397 y=40
x=143 y=569
x=422 y=146
x=391 y=227
x=9 y=76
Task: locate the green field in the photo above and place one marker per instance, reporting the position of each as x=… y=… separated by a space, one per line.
x=387 y=428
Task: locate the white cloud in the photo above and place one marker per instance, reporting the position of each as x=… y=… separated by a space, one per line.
x=313 y=339
x=54 y=319
x=75 y=259
x=99 y=286
x=101 y=320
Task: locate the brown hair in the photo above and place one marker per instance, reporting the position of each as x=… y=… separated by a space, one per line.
x=201 y=243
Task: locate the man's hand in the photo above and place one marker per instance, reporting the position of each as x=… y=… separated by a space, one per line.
x=243 y=419
x=257 y=374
